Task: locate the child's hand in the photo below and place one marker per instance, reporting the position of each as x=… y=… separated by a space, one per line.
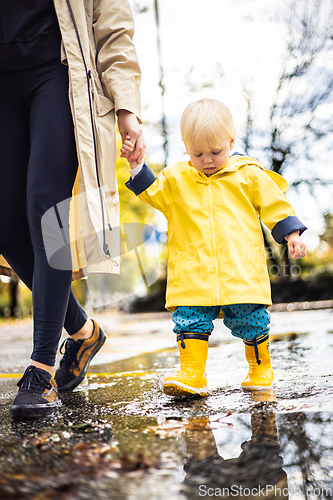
x=126 y=150
x=296 y=245
x=128 y=125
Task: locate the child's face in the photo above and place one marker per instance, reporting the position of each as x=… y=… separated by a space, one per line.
x=210 y=162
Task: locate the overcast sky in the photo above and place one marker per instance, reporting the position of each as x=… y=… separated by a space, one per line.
x=220 y=44
x=211 y=48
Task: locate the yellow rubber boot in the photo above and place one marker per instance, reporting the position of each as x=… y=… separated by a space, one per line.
x=191 y=378
x=260 y=374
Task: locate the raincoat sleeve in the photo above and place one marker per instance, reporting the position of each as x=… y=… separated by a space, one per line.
x=116 y=61
x=273 y=207
x=156 y=191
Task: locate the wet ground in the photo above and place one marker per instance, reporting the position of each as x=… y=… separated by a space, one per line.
x=118 y=437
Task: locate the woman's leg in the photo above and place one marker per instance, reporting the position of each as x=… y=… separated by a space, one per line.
x=37 y=149
x=51 y=173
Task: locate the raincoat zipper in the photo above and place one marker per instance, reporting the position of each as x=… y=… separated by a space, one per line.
x=211 y=216
x=88 y=76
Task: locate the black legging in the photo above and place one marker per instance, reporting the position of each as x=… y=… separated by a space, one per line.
x=38 y=165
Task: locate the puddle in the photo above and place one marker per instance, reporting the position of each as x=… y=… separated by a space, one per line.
x=118 y=437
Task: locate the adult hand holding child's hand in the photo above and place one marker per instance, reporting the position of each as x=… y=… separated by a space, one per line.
x=126 y=152
x=129 y=127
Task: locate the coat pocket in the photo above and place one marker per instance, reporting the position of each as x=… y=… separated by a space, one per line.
x=103 y=104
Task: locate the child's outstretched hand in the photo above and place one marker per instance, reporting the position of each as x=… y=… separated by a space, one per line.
x=296 y=245
x=126 y=151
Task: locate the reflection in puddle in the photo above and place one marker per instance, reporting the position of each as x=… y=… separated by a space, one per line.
x=196 y=451
x=118 y=437
x=102 y=443
x=256 y=471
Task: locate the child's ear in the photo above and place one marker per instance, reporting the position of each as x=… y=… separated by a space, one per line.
x=232 y=143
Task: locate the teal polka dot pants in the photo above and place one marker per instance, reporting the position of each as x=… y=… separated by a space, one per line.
x=246 y=321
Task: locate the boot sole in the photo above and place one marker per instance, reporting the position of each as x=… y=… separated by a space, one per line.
x=22 y=413
x=74 y=383
x=256 y=388
x=179 y=389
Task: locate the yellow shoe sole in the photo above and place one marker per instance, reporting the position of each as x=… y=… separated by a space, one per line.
x=177 y=389
x=256 y=387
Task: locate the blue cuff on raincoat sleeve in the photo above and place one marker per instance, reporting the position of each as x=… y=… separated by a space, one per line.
x=142 y=180
x=287 y=226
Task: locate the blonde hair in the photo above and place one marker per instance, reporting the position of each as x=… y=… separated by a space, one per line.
x=206 y=122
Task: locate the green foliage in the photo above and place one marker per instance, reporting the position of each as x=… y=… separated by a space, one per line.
x=79 y=288
x=4 y=296
x=318 y=265
x=24 y=296
x=25 y=299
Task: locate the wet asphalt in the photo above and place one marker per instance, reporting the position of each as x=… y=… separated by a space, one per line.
x=117 y=436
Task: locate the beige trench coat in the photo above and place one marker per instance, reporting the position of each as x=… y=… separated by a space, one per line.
x=104 y=77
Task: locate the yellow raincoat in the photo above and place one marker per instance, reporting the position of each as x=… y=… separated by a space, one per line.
x=216 y=248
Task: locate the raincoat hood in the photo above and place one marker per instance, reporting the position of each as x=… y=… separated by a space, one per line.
x=237 y=161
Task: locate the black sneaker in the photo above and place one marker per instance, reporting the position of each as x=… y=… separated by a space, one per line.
x=76 y=359
x=37 y=396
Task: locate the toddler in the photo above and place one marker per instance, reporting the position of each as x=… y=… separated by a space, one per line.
x=217 y=263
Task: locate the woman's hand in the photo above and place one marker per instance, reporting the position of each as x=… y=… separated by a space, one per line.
x=128 y=126
x=296 y=245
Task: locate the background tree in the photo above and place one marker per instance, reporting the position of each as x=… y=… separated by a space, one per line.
x=300 y=133
x=9 y=292
x=327 y=235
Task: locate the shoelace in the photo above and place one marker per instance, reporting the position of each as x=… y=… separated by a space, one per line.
x=70 y=354
x=33 y=380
